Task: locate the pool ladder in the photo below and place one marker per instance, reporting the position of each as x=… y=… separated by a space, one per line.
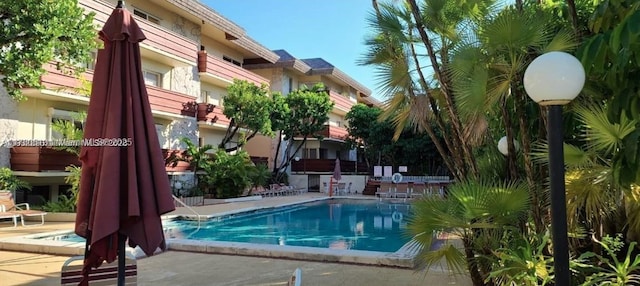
x=189 y=208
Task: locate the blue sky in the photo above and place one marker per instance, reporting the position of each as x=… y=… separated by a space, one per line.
x=334 y=30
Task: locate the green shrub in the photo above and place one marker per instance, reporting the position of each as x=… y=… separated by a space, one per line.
x=229 y=175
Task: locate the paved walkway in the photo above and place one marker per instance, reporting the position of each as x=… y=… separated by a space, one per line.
x=185 y=268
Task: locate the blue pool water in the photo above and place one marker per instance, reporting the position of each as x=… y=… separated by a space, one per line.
x=338 y=223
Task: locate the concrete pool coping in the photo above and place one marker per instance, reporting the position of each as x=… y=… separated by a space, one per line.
x=404 y=257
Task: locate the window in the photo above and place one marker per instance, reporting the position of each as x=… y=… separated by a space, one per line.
x=91 y=64
x=160 y=130
x=152 y=78
x=65 y=121
x=339 y=123
x=290 y=84
x=204 y=96
x=228 y=59
x=146 y=16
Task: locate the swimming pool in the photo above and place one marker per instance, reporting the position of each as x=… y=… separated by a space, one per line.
x=358 y=230
x=337 y=224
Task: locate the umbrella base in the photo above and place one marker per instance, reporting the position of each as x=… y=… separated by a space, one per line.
x=106 y=274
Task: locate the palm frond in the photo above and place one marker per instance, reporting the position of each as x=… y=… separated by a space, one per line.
x=587 y=191
x=564 y=40
x=603 y=135
x=451 y=255
x=574 y=157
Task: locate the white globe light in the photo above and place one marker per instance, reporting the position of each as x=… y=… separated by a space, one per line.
x=554 y=78
x=503 y=147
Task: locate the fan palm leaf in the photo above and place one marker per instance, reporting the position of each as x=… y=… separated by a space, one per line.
x=470 y=206
x=602 y=134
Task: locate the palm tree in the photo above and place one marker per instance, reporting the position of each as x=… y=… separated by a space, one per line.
x=415 y=100
x=595 y=199
x=198 y=157
x=471 y=210
x=487 y=71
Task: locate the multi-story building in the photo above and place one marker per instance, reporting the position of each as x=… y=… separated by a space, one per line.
x=190 y=56
x=316 y=159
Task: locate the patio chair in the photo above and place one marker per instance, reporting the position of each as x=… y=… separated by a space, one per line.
x=386 y=190
x=402 y=191
x=106 y=274
x=419 y=190
x=341 y=189
x=22 y=209
x=296 y=278
x=6 y=215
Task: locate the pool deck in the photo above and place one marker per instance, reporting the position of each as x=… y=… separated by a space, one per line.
x=188 y=268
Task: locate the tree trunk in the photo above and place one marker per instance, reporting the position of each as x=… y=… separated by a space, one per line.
x=573 y=13
x=445 y=88
x=512 y=171
x=537 y=209
x=472 y=265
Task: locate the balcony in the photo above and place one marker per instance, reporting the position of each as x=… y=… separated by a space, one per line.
x=342 y=103
x=327 y=166
x=167 y=45
x=216 y=118
x=60 y=86
x=222 y=73
x=41 y=159
x=334 y=132
x=46 y=159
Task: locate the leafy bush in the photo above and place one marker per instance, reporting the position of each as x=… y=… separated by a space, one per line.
x=10 y=182
x=229 y=175
x=609 y=269
x=260 y=175
x=67 y=203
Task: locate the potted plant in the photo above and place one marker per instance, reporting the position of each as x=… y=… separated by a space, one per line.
x=203 y=110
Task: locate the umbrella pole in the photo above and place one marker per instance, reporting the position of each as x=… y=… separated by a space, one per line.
x=121 y=258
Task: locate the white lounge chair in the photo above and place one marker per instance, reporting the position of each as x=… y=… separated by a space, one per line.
x=22 y=209
x=6 y=215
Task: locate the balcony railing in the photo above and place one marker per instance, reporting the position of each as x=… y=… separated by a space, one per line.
x=222 y=72
x=334 y=132
x=217 y=117
x=160 y=99
x=158 y=37
x=341 y=102
x=46 y=159
x=38 y=159
x=327 y=166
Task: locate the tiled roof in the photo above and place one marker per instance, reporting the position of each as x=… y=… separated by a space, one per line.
x=318 y=63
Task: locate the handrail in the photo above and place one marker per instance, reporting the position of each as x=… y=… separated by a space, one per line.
x=188 y=207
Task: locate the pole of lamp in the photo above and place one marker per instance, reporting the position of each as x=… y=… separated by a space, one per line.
x=560 y=238
x=555 y=79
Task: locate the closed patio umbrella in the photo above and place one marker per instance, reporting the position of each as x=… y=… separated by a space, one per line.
x=124 y=188
x=337 y=174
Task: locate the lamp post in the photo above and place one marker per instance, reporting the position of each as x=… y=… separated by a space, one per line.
x=503 y=147
x=554 y=79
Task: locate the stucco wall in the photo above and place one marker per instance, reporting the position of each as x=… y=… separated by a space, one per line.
x=8 y=124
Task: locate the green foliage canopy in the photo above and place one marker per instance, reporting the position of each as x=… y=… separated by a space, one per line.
x=249 y=107
x=34 y=32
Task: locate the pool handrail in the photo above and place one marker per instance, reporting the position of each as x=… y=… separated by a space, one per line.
x=189 y=208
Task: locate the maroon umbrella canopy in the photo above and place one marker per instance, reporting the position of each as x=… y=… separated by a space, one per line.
x=124 y=188
x=337 y=174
